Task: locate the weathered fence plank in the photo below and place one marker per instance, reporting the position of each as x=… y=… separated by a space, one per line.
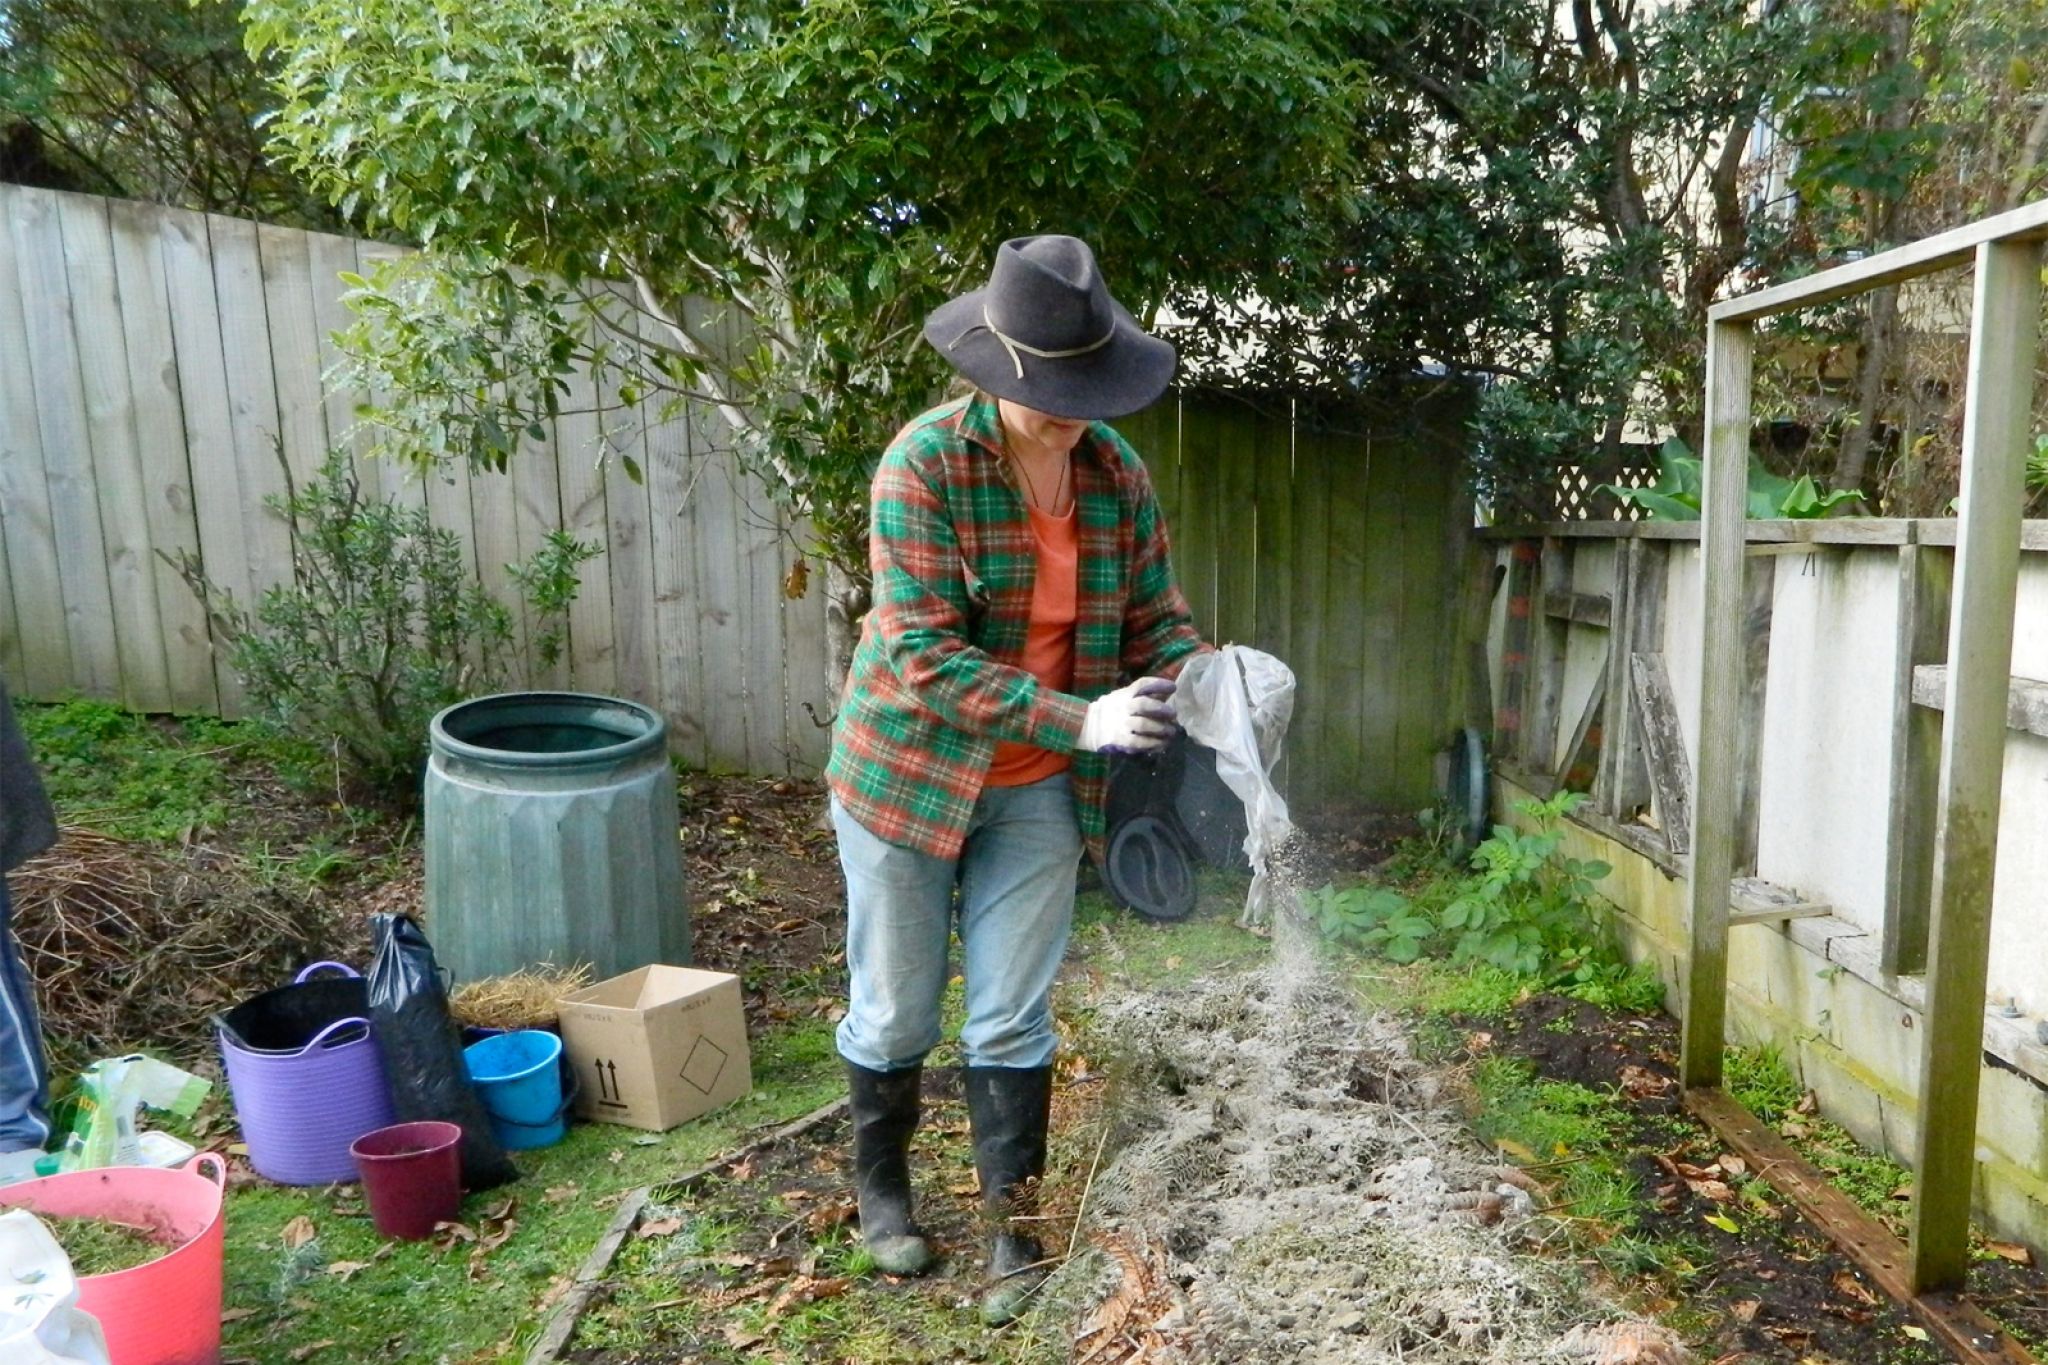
x=60 y=412
x=37 y=643
x=163 y=472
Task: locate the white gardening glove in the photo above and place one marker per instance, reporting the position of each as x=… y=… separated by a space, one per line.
x=1131 y=720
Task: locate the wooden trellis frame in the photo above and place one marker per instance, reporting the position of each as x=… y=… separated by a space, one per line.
x=2005 y=316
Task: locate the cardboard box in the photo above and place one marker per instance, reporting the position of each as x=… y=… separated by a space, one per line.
x=658 y=1046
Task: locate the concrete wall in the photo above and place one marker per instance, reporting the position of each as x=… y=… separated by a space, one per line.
x=1813 y=987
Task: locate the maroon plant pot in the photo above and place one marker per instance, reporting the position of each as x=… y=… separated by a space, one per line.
x=412 y=1177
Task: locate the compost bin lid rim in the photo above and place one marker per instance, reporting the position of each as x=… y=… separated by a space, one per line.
x=654 y=738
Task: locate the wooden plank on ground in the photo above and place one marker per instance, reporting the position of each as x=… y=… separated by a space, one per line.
x=185 y=244
x=1957 y=1323
x=1715 y=801
x=60 y=414
x=1925 y=582
x=114 y=449
x=154 y=379
x=40 y=663
x=1997 y=436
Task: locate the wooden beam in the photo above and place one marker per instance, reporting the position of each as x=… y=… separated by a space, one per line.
x=1997 y=436
x=1639 y=580
x=1586 y=608
x=1581 y=763
x=1514 y=651
x=1942 y=531
x=1549 y=640
x=1761 y=600
x=2026 y=699
x=1752 y=900
x=1958 y=1324
x=1664 y=745
x=2020 y=228
x=1715 y=801
x=1925 y=582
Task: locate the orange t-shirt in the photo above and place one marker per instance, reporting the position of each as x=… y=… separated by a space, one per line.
x=1049 y=645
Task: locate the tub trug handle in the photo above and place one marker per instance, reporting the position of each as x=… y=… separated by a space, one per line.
x=324 y=1037
x=341 y=967
x=211 y=1165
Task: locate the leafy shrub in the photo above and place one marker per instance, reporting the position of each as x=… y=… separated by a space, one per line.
x=1524 y=907
x=1772 y=497
x=380 y=626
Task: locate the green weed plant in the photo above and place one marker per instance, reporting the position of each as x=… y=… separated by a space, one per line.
x=1521 y=907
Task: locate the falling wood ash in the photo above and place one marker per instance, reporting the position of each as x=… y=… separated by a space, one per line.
x=1284 y=1182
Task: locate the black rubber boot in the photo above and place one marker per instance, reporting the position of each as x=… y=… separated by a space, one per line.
x=884 y=1107
x=1009 y=1108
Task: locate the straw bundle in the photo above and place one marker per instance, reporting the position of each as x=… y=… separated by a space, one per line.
x=520 y=1000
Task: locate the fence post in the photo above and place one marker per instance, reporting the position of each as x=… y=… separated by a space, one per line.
x=1996 y=429
x=1721 y=667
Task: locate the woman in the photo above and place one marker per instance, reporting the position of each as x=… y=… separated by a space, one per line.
x=1025 y=623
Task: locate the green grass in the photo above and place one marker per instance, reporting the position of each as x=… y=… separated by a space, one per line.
x=423 y=1302
x=157 y=780
x=1761 y=1081
x=1580 y=1135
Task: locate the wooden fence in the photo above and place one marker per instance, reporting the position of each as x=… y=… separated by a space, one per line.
x=152 y=362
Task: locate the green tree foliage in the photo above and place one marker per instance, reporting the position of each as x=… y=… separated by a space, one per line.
x=756 y=202
x=142 y=100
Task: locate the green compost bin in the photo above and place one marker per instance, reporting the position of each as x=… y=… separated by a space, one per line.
x=552 y=836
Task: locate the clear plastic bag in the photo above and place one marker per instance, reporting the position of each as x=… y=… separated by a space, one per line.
x=40 y=1320
x=1238 y=701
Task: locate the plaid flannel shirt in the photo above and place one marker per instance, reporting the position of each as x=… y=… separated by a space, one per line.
x=937 y=678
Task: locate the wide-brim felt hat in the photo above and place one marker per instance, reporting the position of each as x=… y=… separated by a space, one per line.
x=1044 y=332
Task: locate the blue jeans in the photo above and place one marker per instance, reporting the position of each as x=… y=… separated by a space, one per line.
x=1015 y=905
x=24 y=1073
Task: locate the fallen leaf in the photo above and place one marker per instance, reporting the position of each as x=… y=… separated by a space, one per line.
x=1173 y=964
x=1734 y=1165
x=1478 y=1040
x=1903 y=1192
x=1639 y=1082
x=1723 y=1222
x=557 y=1288
x=742 y=1170
x=238 y=1314
x=238 y=1149
x=1848 y=1286
x=651 y=1140
x=497 y=1235
x=346 y=1270
x=1917 y=1333
x=1711 y=1189
x=740 y=1339
x=503 y=1210
x=1792 y=1129
x=561 y=1194
x=803 y=1289
x=308 y=1351
x=2011 y=1251
x=1809 y=1103
x=1745 y=1309
x=451 y=1233
x=660 y=1227
x=298 y=1232
x=1510 y=1147
x=615 y=1155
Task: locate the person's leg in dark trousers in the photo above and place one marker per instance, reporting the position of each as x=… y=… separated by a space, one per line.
x=24 y=1072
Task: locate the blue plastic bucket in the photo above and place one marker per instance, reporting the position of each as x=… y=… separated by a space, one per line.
x=518 y=1077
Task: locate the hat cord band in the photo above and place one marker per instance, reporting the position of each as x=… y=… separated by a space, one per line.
x=1013 y=346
